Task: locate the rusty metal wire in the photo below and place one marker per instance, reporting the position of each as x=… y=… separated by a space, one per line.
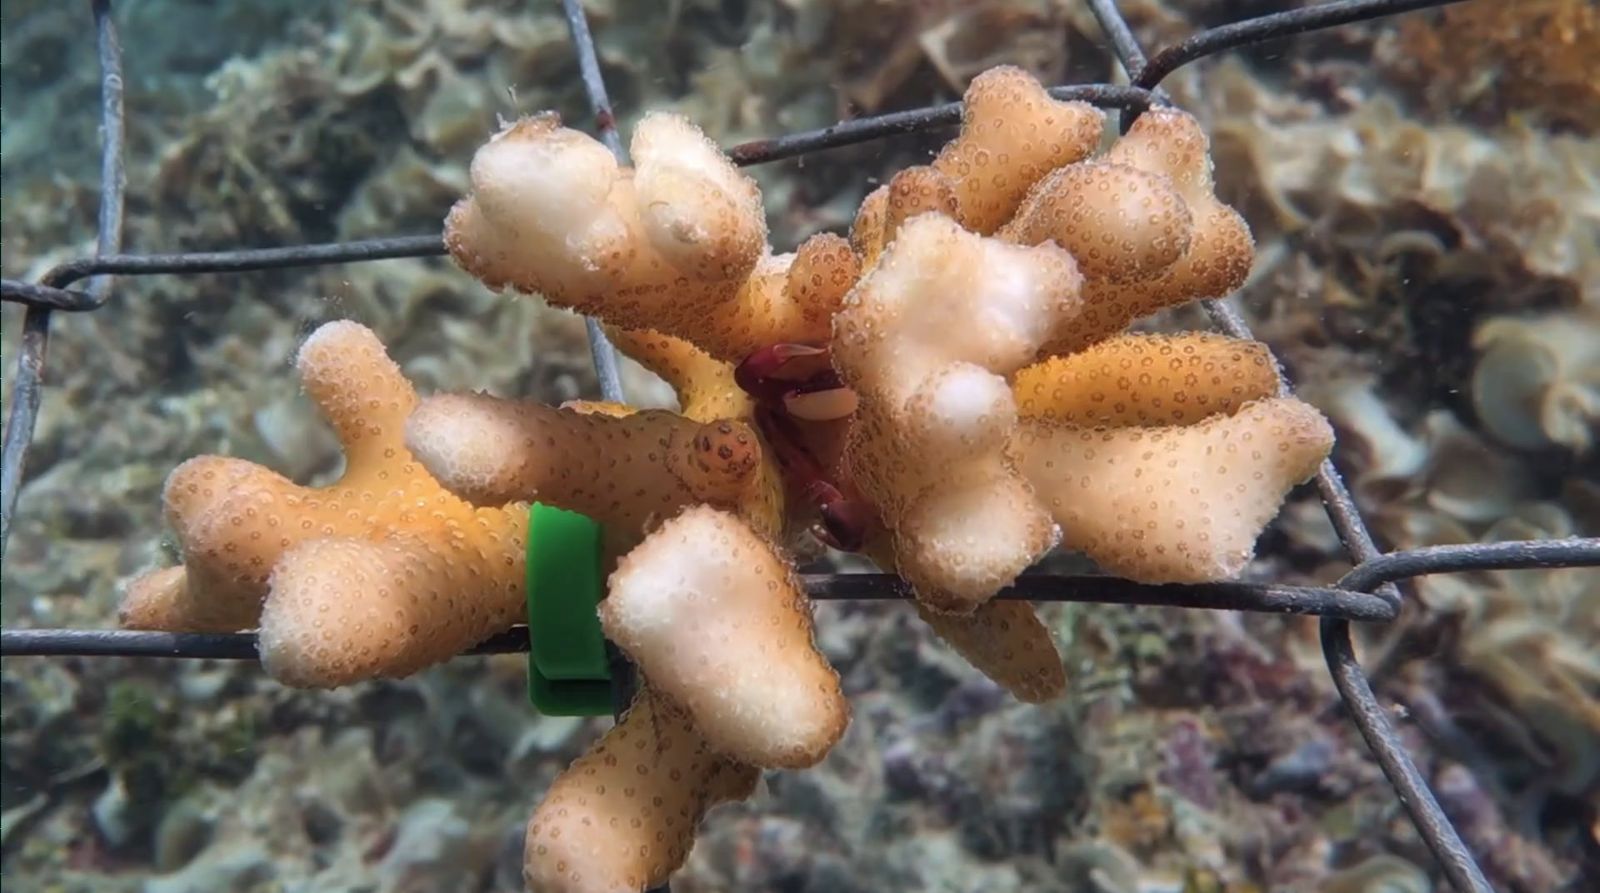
x=1366 y=594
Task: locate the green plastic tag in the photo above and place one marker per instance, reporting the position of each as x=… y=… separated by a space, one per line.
x=568 y=673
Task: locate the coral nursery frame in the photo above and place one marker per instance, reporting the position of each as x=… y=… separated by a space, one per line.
x=1366 y=594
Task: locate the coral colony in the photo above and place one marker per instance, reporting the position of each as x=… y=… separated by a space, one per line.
x=949 y=392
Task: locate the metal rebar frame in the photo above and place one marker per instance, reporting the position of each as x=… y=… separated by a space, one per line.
x=1366 y=594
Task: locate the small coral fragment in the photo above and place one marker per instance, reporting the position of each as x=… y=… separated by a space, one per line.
x=625 y=471
x=1003 y=639
x=1176 y=504
x=716 y=620
x=927 y=340
x=622 y=818
x=1148 y=381
x=379 y=574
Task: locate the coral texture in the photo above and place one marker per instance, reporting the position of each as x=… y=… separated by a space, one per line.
x=1175 y=504
x=1146 y=380
x=929 y=444
x=1006 y=641
x=1163 y=456
x=1012 y=135
x=380 y=574
x=628 y=470
x=1144 y=222
x=716 y=619
x=676 y=243
x=1537 y=382
x=1533 y=58
x=622 y=817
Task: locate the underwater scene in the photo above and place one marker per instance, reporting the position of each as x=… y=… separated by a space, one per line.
x=800 y=446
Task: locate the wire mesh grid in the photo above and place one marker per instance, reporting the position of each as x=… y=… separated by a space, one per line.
x=1366 y=594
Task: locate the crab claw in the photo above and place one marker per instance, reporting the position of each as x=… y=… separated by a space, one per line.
x=845 y=521
x=824 y=403
x=772 y=372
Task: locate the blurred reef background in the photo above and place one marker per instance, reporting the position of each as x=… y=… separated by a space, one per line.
x=1425 y=194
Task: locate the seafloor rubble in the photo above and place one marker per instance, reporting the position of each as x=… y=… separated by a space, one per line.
x=1428 y=277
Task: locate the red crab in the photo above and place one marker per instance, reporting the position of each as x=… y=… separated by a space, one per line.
x=794 y=384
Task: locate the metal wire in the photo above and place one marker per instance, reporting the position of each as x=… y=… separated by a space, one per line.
x=25 y=394
x=1269 y=27
x=1365 y=594
x=624 y=676
x=1342 y=603
x=1432 y=824
x=863 y=130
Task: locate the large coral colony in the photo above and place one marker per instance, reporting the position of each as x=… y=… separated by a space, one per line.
x=951 y=392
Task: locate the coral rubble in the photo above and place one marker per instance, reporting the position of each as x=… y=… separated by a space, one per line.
x=1530 y=59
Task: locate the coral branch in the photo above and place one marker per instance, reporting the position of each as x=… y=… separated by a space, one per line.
x=1005 y=641
x=1148 y=381
x=1139 y=251
x=379 y=574
x=551 y=212
x=716 y=620
x=927 y=340
x=625 y=471
x=622 y=817
x=1174 y=504
x=676 y=244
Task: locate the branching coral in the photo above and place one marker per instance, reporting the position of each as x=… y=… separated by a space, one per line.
x=953 y=401
x=930 y=456
x=380 y=574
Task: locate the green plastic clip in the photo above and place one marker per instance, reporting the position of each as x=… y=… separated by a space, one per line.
x=568 y=674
